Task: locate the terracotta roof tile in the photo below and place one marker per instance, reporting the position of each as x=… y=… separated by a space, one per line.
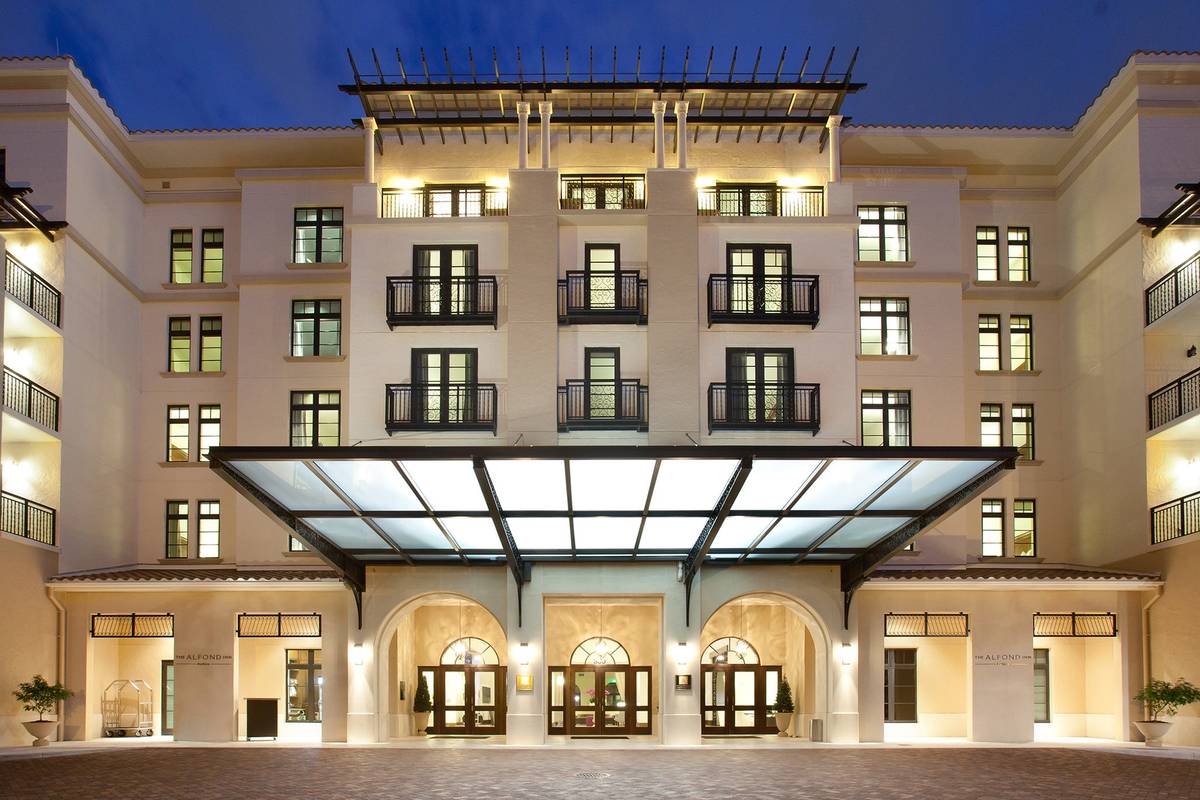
x=998 y=572
x=184 y=574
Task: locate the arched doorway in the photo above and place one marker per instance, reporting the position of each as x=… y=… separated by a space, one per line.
x=467 y=688
x=600 y=693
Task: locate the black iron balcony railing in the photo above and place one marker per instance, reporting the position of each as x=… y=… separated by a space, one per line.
x=441 y=301
x=793 y=299
x=1180 y=396
x=601 y=192
x=1176 y=518
x=603 y=405
x=760 y=200
x=764 y=406
x=22 y=517
x=32 y=290
x=30 y=399
x=602 y=297
x=440 y=407
x=1173 y=288
x=445 y=201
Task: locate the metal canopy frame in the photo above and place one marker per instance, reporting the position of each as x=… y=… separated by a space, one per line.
x=1184 y=211
x=16 y=213
x=790 y=101
x=883 y=528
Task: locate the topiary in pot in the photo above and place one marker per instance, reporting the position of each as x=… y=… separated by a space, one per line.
x=1163 y=698
x=422 y=705
x=784 y=707
x=43 y=697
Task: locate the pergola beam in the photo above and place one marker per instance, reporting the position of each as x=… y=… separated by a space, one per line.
x=711 y=528
x=518 y=566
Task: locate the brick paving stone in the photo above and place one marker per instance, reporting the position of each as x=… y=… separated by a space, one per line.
x=213 y=773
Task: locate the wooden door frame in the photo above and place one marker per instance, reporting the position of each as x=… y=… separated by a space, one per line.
x=162 y=701
x=437 y=720
x=762 y=724
x=631 y=709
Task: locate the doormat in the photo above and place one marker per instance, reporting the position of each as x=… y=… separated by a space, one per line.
x=599 y=737
x=730 y=736
x=458 y=736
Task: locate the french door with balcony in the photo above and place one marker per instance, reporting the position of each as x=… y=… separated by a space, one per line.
x=758 y=277
x=601 y=265
x=444 y=385
x=446 y=276
x=600 y=700
x=602 y=371
x=738 y=698
x=758 y=384
x=466 y=699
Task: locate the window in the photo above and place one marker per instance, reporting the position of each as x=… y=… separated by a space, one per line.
x=208 y=528
x=210 y=344
x=316 y=327
x=1020 y=343
x=1018 y=255
x=1022 y=430
x=212 y=255
x=318 y=236
x=210 y=429
x=316 y=419
x=454 y=201
x=886 y=418
x=181 y=256
x=987 y=253
x=304 y=683
x=991 y=425
x=989 y=343
x=178 y=433
x=179 y=333
x=1041 y=684
x=883 y=326
x=758 y=278
x=177 y=529
x=296 y=546
x=900 y=685
x=882 y=233
x=1025 y=528
x=991 y=526
x=444 y=385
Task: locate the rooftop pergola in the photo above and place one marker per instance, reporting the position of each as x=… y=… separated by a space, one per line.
x=726 y=505
x=603 y=94
x=1184 y=211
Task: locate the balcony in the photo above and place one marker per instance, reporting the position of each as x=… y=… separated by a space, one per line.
x=471 y=200
x=618 y=297
x=760 y=200
x=445 y=407
x=415 y=300
x=602 y=192
x=31 y=400
x=764 y=406
x=33 y=290
x=1178 y=398
x=1175 y=519
x=788 y=300
x=1173 y=289
x=603 y=406
x=25 y=518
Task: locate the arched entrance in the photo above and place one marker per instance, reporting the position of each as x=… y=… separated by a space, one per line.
x=466 y=689
x=753 y=645
x=600 y=693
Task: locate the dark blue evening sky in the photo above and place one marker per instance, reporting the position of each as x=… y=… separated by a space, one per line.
x=216 y=63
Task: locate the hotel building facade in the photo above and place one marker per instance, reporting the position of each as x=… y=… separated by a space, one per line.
x=601 y=406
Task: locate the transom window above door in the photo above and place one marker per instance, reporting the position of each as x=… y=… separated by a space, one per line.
x=470 y=650
x=600 y=650
x=730 y=650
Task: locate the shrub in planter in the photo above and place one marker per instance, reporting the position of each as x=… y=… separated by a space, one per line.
x=422 y=705
x=41 y=696
x=784 y=707
x=1163 y=698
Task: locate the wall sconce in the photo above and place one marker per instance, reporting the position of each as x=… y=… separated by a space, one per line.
x=523 y=654
x=357 y=655
x=847 y=649
x=683 y=651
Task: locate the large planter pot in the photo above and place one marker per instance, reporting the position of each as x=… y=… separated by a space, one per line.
x=1154 y=731
x=40 y=730
x=783 y=721
x=422 y=720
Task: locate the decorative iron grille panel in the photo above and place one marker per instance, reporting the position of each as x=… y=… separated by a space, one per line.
x=924 y=624
x=1088 y=624
x=258 y=626
x=133 y=626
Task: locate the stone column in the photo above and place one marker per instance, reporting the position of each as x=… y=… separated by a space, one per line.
x=369 y=128
x=659 y=108
x=522 y=135
x=681 y=109
x=834 y=125
x=545 y=110
x=525 y=718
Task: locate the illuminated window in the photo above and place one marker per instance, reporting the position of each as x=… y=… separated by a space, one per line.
x=991 y=425
x=210 y=344
x=296 y=546
x=179 y=336
x=730 y=650
x=1025 y=528
x=208 y=528
x=987 y=253
x=177 y=529
x=317 y=236
x=304 y=685
x=600 y=650
x=1022 y=430
x=1020 y=343
x=992 y=528
x=181 y=256
x=989 y=343
x=882 y=233
x=886 y=418
x=1019 y=266
x=470 y=650
x=210 y=429
x=316 y=419
x=883 y=326
x=178 y=433
x=316 y=327
x=212 y=255
x=900 y=685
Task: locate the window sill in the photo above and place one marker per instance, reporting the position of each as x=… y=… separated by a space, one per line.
x=1026 y=462
x=977 y=284
x=184 y=464
x=314 y=359
x=865 y=357
x=886 y=264
x=299 y=554
x=194 y=286
x=220 y=374
x=1015 y=373
x=906 y=553
x=1011 y=560
x=319 y=265
x=192 y=561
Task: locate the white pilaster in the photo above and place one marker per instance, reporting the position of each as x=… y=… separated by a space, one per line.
x=681 y=109
x=659 y=109
x=545 y=110
x=369 y=128
x=834 y=125
x=522 y=135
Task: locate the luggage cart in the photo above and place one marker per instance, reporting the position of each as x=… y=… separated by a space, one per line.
x=127 y=708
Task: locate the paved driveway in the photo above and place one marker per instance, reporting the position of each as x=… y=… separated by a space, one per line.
x=334 y=773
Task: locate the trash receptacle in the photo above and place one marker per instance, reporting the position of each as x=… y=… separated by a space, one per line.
x=816 y=730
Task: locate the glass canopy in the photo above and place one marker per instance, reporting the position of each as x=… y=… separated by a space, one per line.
x=491 y=504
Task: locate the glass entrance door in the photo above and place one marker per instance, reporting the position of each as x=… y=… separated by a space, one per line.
x=601 y=263
x=759 y=384
x=738 y=698
x=600 y=700
x=758 y=278
x=446 y=279
x=466 y=699
x=167 y=693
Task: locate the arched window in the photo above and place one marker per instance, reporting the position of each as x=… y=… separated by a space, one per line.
x=730 y=650
x=600 y=650
x=470 y=650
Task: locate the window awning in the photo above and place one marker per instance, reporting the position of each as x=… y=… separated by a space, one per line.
x=729 y=505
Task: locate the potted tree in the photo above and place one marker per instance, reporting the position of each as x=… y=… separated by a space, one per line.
x=784 y=707
x=422 y=705
x=1163 y=698
x=41 y=696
